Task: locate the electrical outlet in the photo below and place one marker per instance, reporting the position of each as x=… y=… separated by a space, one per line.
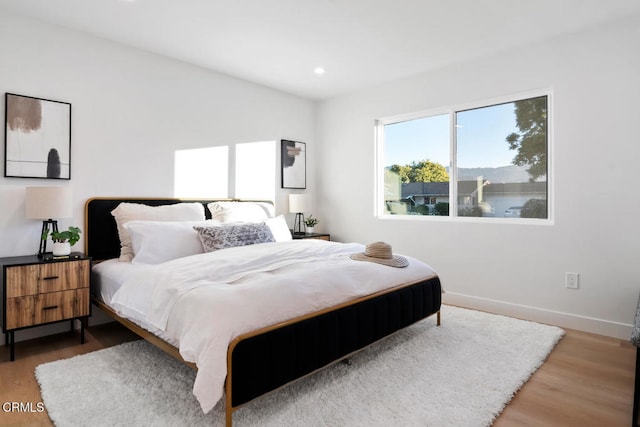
x=572 y=280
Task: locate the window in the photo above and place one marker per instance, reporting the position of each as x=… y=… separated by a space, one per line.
x=484 y=161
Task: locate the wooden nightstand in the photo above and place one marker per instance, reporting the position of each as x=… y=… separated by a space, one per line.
x=36 y=292
x=321 y=236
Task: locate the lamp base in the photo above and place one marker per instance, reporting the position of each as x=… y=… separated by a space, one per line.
x=298 y=224
x=44 y=234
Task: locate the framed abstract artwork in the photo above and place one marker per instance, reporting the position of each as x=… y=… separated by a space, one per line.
x=294 y=164
x=37 y=138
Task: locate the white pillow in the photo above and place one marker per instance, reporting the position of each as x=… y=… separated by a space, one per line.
x=279 y=228
x=126 y=212
x=154 y=242
x=241 y=211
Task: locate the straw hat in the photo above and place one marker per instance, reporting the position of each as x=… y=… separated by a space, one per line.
x=380 y=252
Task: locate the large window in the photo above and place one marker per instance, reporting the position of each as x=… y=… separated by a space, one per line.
x=484 y=161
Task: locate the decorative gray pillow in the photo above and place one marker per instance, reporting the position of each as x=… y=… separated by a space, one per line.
x=229 y=236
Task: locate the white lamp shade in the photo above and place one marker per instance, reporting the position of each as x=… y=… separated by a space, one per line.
x=49 y=202
x=298 y=203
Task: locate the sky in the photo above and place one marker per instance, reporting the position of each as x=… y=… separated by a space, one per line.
x=481 y=138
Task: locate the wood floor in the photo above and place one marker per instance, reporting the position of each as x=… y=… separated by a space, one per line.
x=586 y=381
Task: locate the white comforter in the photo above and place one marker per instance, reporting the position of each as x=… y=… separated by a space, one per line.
x=204 y=301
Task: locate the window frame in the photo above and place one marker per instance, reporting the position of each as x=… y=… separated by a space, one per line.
x=379 y=124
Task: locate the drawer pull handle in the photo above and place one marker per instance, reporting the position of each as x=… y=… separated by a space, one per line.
x=51 y=278
x=51 y=307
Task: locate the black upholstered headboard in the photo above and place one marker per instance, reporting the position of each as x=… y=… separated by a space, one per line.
x=100 y=230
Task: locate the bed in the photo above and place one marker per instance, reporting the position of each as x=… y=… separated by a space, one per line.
x=307 y=327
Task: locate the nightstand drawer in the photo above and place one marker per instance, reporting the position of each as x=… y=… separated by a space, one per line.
x=40 y=278
x=48 y=307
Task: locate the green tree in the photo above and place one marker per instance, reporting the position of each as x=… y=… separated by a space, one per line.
x=531 y=141
x=534 y=208
x=441 y=208
x=423 y=171
x=402 y=172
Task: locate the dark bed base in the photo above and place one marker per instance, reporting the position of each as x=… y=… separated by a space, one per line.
x=265 y=360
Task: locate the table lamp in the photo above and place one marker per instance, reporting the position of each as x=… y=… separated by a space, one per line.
x=46 y=203
x=298 y=203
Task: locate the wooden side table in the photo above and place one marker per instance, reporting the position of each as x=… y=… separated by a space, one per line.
x=321 y=236
x=37 y=292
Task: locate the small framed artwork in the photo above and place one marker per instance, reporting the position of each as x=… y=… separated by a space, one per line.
x=294 y=164
x=37 y=138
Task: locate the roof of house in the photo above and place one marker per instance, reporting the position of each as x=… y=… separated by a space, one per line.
x=425 y=189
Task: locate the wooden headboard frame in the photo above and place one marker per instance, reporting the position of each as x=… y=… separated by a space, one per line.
x=101 y=239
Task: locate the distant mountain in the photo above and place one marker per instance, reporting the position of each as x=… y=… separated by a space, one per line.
x=497 y=175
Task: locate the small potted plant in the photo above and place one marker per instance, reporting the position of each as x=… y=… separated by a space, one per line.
x=63 y=240
x=311 y=222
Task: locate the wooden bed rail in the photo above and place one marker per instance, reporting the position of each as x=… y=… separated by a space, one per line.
x=143 y=333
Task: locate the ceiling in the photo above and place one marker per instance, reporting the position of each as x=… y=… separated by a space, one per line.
x=360 y=43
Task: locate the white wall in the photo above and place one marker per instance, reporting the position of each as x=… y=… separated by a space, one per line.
x=516 y=269
x=130 y=111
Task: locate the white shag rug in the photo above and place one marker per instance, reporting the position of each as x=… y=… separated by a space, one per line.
x=461 y=373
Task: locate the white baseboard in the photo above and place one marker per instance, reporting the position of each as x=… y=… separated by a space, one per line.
x=541 y=315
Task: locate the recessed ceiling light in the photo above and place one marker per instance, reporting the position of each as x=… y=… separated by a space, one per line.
x=319 y=71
